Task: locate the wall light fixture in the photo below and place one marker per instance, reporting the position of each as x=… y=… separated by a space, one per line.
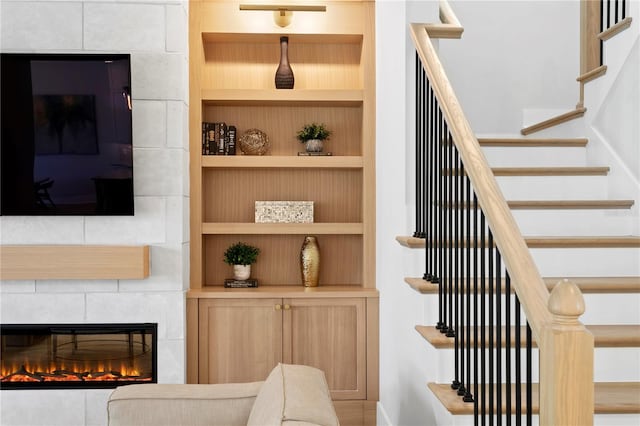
x=282 y=14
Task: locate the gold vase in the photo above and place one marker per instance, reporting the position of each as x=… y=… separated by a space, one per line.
x=310 y=261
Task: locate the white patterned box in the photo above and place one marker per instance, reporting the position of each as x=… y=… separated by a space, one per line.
x=284 y=211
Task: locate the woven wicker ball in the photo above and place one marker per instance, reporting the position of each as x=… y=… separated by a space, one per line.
x=254 y=142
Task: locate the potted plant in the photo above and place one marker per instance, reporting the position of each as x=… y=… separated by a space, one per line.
x=241 y=256
x=313 y=135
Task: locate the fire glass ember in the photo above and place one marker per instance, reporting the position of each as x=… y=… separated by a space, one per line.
x=77 y=355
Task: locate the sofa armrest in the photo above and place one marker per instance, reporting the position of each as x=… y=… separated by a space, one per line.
x=170 y=405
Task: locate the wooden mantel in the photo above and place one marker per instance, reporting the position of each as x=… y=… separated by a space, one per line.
x=31 y=262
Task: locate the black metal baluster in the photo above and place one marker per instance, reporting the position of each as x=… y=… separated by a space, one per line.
x=434 y=188
x=507 y=315
x=529 y=378
x=624 y=9
x=483 y=342
x=427 y=187
x=459 y=171
x=468 y=397
x=498 y=339
x=476 y=234
x=491 y=325
x=518 y=366
x=608 y=14
x=419 y=231
x=602 y=29
x=616 y=12
x=452 y=178
x=441 y=226
x=463 y=259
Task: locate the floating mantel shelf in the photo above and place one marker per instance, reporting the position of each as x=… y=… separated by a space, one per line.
x=32 y=262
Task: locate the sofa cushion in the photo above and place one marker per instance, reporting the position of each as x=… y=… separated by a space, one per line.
x=293 y=394
x=165 y=404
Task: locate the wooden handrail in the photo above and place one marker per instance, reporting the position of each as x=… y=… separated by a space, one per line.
x=563 y=340
x=524 y=274
x=449 y=26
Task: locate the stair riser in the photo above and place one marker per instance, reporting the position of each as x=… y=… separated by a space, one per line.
x=553 y=187
x=610 y=364
x=611 y=309
x=574 y=222
x=588 y=262
x=535 y=156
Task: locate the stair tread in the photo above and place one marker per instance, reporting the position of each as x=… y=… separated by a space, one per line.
x=625 y=241
x=593 y=74
x=558 y=119
x=561 y=204
x=551 y=171
x=609 y=398
x=605 y=336
x=586 y=284
x=537 y=142
x=569 y=204
x=615 y=29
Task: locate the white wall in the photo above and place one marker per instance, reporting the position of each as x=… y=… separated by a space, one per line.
x=155 y=34
x=513 y=55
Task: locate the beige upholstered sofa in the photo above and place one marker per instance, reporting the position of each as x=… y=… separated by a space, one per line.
x=291 y=395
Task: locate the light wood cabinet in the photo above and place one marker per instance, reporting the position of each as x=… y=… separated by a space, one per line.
x=238 y=334
x=241 y=340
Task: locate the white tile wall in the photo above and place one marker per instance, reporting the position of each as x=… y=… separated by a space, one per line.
x=150 y=123
x=51 y=26
x=154 y=32
x=118 y=26
x=43 y=408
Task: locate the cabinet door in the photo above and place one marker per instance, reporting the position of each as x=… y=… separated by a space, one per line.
x=329 y=334
x=240 y=340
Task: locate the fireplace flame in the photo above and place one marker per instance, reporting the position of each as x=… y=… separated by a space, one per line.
x=101 y=372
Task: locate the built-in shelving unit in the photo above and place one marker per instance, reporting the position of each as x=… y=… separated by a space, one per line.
x=234 y=55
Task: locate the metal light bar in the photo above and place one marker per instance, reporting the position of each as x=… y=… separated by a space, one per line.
x=285 y=8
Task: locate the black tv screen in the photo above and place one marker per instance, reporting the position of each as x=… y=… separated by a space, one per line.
x=66 y=134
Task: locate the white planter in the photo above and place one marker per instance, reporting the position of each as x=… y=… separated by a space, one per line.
x=314 y=145
x=241 y=272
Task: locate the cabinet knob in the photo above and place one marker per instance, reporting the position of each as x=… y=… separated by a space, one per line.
x=278 y=307
x=287 y=307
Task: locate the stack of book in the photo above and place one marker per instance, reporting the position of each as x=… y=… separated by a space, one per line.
x=218 y=139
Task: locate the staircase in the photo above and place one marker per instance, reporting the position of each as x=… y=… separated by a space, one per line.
x=561 y=208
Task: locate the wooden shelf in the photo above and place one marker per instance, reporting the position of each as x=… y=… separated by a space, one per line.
x=32 y=262
x=282 y=161
x=282 y=228
x=282 y=97
x=299 y=291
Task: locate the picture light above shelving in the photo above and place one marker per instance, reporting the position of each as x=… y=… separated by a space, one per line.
x=282 y=14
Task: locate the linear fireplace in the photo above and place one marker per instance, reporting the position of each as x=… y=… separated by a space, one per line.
x=63 y=356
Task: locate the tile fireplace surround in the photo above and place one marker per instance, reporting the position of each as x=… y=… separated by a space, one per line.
x=155 y=34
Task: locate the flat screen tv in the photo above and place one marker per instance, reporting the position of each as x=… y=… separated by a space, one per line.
x=66 y=134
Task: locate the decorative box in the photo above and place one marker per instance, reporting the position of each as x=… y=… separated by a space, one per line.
x=284 y=211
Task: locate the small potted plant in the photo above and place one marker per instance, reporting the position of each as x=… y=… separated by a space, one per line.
x=313 y=135
x=241 y=256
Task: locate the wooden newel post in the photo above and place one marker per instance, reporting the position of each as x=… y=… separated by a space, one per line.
x=566 y=361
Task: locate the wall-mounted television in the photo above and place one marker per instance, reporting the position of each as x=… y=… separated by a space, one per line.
x=66 y=145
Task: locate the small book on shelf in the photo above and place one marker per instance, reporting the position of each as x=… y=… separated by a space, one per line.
x=233 y=283
x=315 y=154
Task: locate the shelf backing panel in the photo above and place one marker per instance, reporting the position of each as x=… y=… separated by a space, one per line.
x=281 y=124
x=279 y=259
x=232 y=193
x=249 y=64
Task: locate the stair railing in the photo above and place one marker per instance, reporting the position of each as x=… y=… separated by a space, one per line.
x=477 y=255
x=597 y=19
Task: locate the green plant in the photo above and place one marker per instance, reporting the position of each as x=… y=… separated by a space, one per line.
x=313 y=131
x=241 y=254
